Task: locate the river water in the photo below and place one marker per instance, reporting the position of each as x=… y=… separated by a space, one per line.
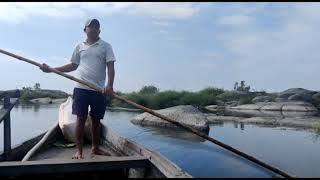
x=293 y=151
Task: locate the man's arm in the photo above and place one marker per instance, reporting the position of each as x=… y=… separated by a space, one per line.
x=111 y=72
x=65 y=68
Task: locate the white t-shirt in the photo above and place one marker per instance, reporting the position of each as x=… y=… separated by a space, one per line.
x=92 y=61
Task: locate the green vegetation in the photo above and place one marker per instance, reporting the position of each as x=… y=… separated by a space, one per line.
x=28 y=93
x=152 y=97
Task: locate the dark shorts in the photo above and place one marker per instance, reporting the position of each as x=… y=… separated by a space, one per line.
x=83 y=98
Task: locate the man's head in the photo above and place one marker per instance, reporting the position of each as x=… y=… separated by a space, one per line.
x=92 y=28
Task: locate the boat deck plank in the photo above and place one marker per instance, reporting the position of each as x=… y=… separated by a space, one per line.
x=47 y=166
x=55 y=152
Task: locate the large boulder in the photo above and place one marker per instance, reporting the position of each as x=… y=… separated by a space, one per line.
x=184 y=114
x=295 y=94
x=292 y=91
x=278 y=99
x=316 y=98
x=247 y=107
x=306 y=97
x=214 y=108
x=48 y=100
x=262 y=99
x=59 y=100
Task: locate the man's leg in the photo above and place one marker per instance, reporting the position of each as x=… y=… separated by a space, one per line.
x=79 y=137
x=80 y=108
x=96 y=133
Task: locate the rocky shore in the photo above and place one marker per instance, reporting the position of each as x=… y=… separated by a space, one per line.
x=296 y=107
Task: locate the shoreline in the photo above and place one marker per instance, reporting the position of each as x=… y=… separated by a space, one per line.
x=302 y=123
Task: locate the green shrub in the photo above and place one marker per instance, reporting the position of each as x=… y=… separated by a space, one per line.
x=151 y=97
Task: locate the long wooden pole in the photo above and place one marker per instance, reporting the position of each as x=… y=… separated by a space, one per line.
x=199 y=133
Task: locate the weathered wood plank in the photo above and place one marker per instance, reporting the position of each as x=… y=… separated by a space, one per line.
x=14 y=168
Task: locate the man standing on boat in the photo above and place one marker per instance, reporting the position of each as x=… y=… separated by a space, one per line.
x=91 y=58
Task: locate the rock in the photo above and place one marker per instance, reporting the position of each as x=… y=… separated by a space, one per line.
x=220 y=103
x=272 y=106
x=42 y=100
x=303 y=108
x=301 y=97
x=295 y=122
x=214 y=108
x=48 y=100
x=247 y=107
x=184 y=114
x=292 y=91
x=316 y=98
x=264 y=113
x=278 y=99
x=60 y=100
x=302 y=114
x=232 y=103
x=277 y=106
x=262 y=99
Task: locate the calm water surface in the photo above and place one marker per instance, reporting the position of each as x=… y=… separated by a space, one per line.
x=296 y=152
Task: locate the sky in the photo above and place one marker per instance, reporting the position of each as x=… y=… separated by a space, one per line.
x=173 y=46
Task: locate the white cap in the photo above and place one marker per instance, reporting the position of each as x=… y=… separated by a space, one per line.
x=94 y=22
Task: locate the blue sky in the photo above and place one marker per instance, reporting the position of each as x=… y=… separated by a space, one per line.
x=178 y=46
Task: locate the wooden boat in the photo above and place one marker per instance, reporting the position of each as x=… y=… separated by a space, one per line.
x=129 y=159
x=42 y=156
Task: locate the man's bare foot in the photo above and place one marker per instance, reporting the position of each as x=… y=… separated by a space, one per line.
x=98 y=151
x=77 y=156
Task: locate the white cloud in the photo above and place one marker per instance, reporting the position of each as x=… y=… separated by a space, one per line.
x=212 y=55
x=165 y=10
x=164 y=32
x=18 y=12
x=162 y=23
x=281 y=55
x=174 y=38
x=236 y=20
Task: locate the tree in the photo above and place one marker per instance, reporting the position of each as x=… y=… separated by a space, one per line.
x=37 y=86
x=236 y=86
x=242 y=87
x=149 y=89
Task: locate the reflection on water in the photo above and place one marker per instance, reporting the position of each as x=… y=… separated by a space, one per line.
x=264 y=113
x=280 y=147
x=174 y=133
